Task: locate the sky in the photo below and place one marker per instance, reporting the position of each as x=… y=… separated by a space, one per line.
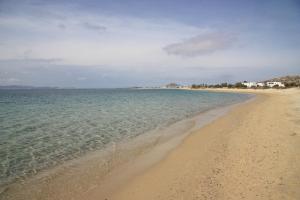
x=124 y=43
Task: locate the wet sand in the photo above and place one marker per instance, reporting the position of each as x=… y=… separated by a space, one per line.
x=99 y=173
x=253 y=152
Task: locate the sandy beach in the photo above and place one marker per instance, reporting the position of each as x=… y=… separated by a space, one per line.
x=149 y=100
x=253 y=152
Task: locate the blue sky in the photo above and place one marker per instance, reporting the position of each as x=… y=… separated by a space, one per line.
x=138 y=43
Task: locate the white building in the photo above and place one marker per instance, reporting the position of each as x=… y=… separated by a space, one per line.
x=274 y=83
x=261 y=84
x=250 y=84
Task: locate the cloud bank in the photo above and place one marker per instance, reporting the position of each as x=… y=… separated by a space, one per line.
x=58 y=43
x=201 y=44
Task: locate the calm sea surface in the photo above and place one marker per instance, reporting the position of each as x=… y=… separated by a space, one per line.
x=40 y=129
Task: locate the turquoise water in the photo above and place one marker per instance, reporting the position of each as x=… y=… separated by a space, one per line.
x=40 y=129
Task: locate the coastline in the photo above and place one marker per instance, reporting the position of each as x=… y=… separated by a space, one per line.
x=250 y=153
x=102 y=172
x=246 y=152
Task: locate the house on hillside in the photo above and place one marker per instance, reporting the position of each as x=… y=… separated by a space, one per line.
x=260 y=84
x=250 y=84
x=275 y=83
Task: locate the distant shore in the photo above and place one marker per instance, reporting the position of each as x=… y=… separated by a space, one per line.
x=251 y=153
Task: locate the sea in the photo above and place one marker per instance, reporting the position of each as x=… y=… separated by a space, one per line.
x=41 y=129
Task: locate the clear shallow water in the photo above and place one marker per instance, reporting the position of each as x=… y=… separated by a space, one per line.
x=40 y=129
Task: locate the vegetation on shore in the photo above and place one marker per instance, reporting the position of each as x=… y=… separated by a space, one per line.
x=222 y=85
x=288 y=81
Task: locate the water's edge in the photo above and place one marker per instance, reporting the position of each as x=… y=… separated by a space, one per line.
x=104 y=170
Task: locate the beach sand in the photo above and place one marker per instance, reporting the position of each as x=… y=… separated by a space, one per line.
x=253 y=152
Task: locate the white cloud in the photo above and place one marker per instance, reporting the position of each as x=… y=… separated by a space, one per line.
x=201 y=44
x=124 y=41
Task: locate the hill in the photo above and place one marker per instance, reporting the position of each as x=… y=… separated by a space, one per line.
x=289 y=81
